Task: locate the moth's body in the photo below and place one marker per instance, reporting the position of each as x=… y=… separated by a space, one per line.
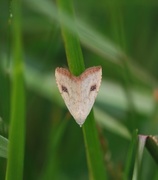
x=79 y=92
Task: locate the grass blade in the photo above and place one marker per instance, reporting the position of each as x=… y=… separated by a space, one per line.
x=17 y=124
x=141 y=145
x=131 y=156
x=76 y=66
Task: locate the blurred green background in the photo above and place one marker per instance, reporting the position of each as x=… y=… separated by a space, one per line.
x=122 y=37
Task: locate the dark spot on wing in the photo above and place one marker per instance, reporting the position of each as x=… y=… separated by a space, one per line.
x=64 y=89
x=93 y=88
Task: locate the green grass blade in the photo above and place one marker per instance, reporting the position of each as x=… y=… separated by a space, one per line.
x=3 y=147
x=141 y=145
x=76 y=66
x=17 y=124
x=131 y=156
x=72 y=46
x=94 y=154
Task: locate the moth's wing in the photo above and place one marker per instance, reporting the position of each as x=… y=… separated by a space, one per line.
x=69 y=89
x=90 y=84
x=79 y=93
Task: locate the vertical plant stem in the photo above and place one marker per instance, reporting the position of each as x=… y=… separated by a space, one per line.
x=76 y=66
x=17 y=121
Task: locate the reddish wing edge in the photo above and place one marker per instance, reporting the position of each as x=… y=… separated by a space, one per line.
x=63 y=71
x=88 y=71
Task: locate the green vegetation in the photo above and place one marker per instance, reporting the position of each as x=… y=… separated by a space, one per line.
x=39 y=139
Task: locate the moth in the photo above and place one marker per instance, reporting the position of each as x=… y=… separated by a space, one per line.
x=79 y=92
